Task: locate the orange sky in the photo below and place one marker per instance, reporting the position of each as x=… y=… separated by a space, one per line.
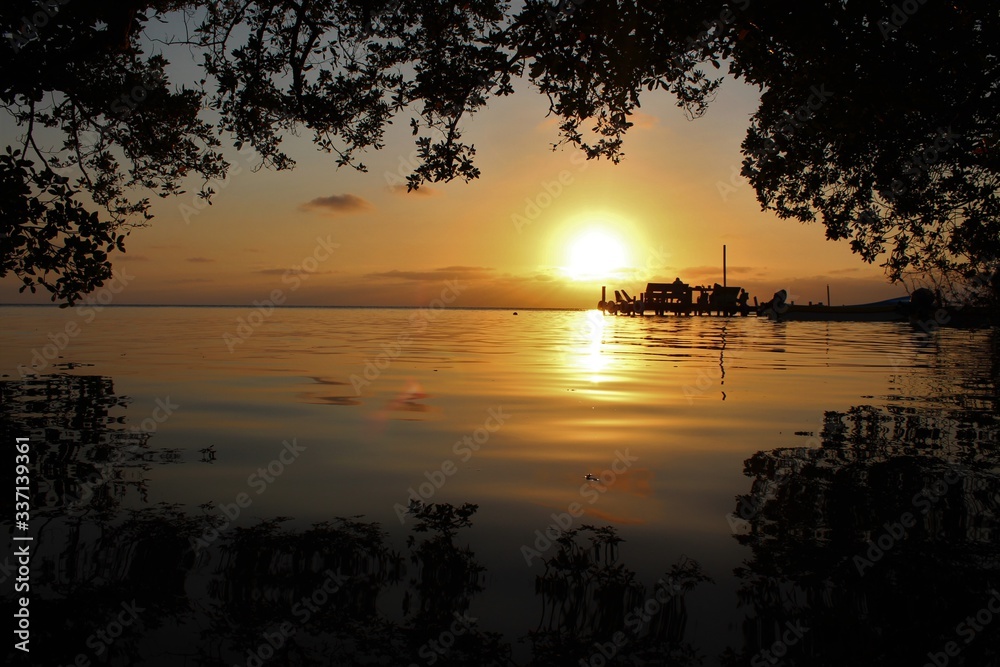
x=668 y=208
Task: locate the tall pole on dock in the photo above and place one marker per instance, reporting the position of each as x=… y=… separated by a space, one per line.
x=828 y=302
x=723 y=264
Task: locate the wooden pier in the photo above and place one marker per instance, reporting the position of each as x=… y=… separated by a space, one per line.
x=678 y=298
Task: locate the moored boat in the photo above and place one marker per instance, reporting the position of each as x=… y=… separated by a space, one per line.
x=891 y=310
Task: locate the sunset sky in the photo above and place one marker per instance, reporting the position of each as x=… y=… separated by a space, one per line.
x=664 y=212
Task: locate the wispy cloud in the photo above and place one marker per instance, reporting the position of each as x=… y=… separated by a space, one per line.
x=444 y=273
x=422 y=191
x=702 y=270
x=283 y=271
x=545 y=275
x=643 y=121
x=346 y=203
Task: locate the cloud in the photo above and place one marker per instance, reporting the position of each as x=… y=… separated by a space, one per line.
x=297 y=271
x=643 y=121
x=702 y=270
x=337 y=204
x=199 y=260
x=840 y=272
x=422 y=191
x=444 y=273
x=543 y=275
x=548 y=123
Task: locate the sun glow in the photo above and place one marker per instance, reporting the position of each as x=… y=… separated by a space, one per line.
x=594 y=255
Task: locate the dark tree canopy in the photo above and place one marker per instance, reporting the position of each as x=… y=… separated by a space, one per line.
x=877 y=119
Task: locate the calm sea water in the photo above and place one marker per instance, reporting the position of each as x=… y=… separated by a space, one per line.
x=767 y=468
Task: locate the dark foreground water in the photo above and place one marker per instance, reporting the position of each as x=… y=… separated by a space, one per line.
x=206 y=490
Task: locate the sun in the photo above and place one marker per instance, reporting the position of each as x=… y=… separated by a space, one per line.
x=595 y=254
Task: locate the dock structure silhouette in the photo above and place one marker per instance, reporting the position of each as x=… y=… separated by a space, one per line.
x=678 y=298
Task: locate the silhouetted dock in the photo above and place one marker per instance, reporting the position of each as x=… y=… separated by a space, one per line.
x=678 y=298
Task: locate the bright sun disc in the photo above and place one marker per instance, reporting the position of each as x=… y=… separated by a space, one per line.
x=594 y=255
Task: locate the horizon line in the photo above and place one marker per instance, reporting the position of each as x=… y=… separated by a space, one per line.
x=233 y=305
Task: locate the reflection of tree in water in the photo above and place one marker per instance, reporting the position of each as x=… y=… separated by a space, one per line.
x=447 y=576
x=810 y=512
x=145 y=586
x=318 y=596
x=83 y=456
x=328 y=584
x=827 y=551
x=959 y=373
x=87 y=573
x=594 y=609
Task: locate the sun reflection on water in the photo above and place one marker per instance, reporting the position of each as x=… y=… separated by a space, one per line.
x=590 y=357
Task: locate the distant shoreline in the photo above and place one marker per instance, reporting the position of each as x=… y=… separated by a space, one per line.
x=244 y=305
